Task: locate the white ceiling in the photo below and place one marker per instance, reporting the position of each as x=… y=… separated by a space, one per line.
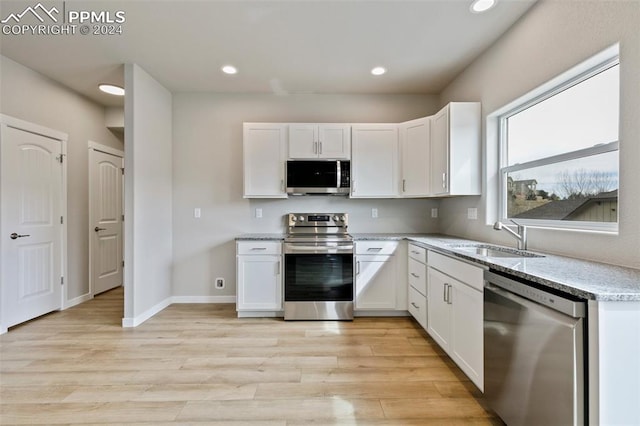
x=282 y=47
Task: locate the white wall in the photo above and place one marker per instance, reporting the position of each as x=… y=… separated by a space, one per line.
x=207 y=173
x=30 y=96
x=552 y=37
x=148 y=196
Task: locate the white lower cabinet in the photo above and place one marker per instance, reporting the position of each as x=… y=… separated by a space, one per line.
x=259 y=276
x=417 y=280
x=455 y=312
x=376 y=276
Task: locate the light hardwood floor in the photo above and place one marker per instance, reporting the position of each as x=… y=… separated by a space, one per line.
x=200 y=364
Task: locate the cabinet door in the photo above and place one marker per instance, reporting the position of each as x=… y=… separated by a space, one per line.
x=259 y=283
x=439 y=162
x=375 y=282
x=438 y=310
x=374 y=162
x=415 y=147
x=303 y=141
x=467 y=331
x=334 y=141
x=264 y=155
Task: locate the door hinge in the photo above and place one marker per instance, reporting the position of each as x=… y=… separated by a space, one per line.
x=61 y=220
x=122 y=168
x=123 y=263
x=59 y=158
x=61 y=280
x=123 y=218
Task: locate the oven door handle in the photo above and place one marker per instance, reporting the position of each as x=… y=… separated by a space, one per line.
x=296 y=248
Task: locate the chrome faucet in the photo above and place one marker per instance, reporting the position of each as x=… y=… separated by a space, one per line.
x=520 y=235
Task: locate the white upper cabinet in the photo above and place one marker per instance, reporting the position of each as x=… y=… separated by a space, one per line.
x=265 y=146
x=455 y=150
x=415 y=136
x=310 y=141
x=374 y=166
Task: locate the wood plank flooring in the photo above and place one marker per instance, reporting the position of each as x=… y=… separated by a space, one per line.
x=199 y=364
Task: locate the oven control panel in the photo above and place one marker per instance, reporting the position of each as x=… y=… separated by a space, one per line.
x=320 y=220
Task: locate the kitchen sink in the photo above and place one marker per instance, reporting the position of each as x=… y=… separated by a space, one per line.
x=487 y=250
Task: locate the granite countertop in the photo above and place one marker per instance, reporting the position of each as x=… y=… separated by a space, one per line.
x=260 y=237
x=582 y=278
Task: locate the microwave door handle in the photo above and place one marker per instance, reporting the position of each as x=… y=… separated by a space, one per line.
x=338 y=174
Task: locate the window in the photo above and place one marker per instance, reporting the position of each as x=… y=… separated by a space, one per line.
x=559 y=153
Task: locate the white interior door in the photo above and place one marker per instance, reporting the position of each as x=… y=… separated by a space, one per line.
x=32 y=177
x=106 y=221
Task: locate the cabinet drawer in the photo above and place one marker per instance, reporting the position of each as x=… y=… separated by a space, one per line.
x=418 y=253
x=418 y=307
x=462 y=271
x=376 y=247
x=259 y=247
x=418 y=276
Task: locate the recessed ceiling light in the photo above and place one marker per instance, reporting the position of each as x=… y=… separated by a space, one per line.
x=111 y=89
x=378 y=71
x=229 y=69
x=479 y=6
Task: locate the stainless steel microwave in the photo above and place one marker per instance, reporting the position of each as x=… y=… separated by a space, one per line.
x=332 y=177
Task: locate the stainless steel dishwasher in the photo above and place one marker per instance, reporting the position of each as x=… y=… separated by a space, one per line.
x=533 y=354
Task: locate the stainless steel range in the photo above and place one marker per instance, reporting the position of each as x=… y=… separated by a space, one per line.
x=318 y=263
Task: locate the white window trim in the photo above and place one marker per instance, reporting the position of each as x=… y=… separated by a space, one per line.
x=596 y=64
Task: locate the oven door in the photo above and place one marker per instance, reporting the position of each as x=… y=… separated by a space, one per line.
x=317 y=272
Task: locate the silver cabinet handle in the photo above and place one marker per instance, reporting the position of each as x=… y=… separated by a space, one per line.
x=315 y=147
x=278 y=268
x=97 y=229
x=414 y=305
x=404 y=185
x=320 y=144
x=444 y=181
x=415 y=275
x=258 y=248
x=449 y=301
x=15 y=236
x=444 y=292
x=374 y=249
x=415 y=252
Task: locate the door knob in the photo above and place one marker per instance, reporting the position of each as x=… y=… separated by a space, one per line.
x=16 y=236
x=99 y=229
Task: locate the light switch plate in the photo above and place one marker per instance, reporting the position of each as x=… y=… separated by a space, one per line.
x=197 y=212
x=434 y=212
x=472 y=213
x=374 y=213
x=258 y=213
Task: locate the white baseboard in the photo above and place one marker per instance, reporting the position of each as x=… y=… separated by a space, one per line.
x=373 y=313
x=203 y=299
x=76 y=301
x=134 y=322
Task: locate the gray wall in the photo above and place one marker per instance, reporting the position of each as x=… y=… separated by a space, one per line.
x=30 y=96
x=148 y=195
x=207 y=173
x=551 y=38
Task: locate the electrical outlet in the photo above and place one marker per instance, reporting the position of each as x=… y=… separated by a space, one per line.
x=258 y=213
x=219 y=283
x=197 y=212
x=434 y=212
x=472 y=213
x=374 y=213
